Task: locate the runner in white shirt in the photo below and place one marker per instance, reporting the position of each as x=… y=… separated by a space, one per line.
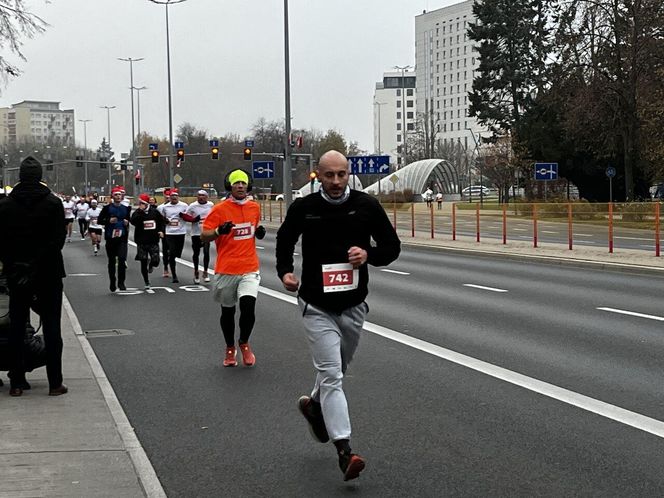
x=173 y=212
x=81 y=209
x=70 y=214
x=94 y=229
x=196 y=214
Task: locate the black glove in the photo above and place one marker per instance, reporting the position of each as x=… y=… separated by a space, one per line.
x=260 y=232
x=224 y=228
x=197 y=219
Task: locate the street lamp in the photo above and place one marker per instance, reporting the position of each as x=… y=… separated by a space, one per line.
x=170 y=100
x=131 y=91
x=85 y=150
x=379 y=124
x=287 y=175
x=138 y=108
x=477 y=145
x=108 y=124
x=404 y=148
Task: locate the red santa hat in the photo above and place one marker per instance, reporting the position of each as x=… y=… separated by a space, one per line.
x=144 y=198
x=117 y=190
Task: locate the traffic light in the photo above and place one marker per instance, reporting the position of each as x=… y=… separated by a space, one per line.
x=215 y=152
x=155 y=156
x=180 y=154
x=123 y=164
x=79 y=161
x=312 y=177
x=49 y=165
x=247 y=153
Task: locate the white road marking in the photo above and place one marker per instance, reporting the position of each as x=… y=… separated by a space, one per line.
x=82 y=274
x=631 y=238
x=582 y=235
x=520 y=229
x=606 y=410
x=395 y=271
x=260 y=247
x=548 y=231
x=482 y=287
x=632 y=313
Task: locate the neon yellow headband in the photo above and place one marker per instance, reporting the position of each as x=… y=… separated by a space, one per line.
x=238 y=176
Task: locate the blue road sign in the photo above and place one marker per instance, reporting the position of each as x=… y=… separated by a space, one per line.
x=153 y=146
x=369 y=165
x=263 y=169
x=179 y=145
x=546 y=171
x=610 y=171
x=248 y=143
x=214 y=143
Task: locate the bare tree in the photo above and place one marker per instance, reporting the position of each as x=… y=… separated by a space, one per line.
x=16 y=22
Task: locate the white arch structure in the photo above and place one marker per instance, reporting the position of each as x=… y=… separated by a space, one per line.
x=438 y=174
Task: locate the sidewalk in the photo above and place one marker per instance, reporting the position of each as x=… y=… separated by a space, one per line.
x=76 y=445
x=82 y=445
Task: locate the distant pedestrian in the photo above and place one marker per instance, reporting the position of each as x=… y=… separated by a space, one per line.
x=82 y=207
x=115 y=218
x=70 y=214
x=342 y=231
x=31 y=252
x=176 y=230
x=234 y=225
x=439 y=200
x=164 y=240
x=149 y=228
x=196 y=214
x=94 y=228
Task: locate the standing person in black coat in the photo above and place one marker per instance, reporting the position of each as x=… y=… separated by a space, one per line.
x=149 y=228
x=343 y=231
x=31 y=252
x=115 y=218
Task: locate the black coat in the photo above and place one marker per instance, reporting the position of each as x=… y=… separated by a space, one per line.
x=138 y=219
x=32 y=231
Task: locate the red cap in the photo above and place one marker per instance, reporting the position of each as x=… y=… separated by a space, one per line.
x=144 y=198
x=167 y=192
x=117 y=190
x=174 y=191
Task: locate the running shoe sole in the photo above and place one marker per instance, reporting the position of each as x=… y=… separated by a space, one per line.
x=323 y=436
x=355 y=466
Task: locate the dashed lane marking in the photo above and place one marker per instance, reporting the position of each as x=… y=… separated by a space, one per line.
x=632 y=313
x=394 y=271
x=482 y=287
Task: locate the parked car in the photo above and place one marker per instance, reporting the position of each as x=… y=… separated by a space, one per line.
x=475 y=190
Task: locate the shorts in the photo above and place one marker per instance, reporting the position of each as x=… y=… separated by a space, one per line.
x=68 y=221
x=148 y=252
x=95 y=230
x=228 y=289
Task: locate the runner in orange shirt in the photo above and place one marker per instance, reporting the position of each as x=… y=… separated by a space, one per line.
x=234 y=225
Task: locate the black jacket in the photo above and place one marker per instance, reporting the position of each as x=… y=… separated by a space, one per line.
x=120 y=212
x=328 y=231
x=154 y=218
x=32 y=230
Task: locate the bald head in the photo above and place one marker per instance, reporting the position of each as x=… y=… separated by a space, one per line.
x=333 y=173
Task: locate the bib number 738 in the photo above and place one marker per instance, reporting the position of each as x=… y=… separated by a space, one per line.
x=339 y=277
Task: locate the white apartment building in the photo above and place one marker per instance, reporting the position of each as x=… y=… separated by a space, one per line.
x=445 y=66
x=394 y=110
x=38 y=122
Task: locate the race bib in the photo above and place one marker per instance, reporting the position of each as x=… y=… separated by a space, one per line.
x=340 y=277
x=117 y=232
x=93 y=221
x=174 y=222
x=149 y=225
x=243 y=231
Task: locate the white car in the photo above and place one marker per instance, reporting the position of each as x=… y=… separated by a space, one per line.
x=475 y=190
x=296 y=195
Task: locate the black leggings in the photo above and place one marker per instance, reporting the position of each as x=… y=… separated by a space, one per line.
x=247 y=320
x=164 y=249
x=116 y=250
x=82 y=226
x=175 y=246
x=196 y=245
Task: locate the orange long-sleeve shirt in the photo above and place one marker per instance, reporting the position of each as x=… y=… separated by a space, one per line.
x=236 y=251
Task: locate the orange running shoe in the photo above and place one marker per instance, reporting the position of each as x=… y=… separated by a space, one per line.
x=229 y=360
x=351 y=465
x=248 y=357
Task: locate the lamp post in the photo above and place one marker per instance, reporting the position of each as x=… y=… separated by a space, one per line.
x=85 y=151
x=477 y=151
x=404 y=147
x=138 y=129
x=287 y=175
x=131 y=91
x=166 y=3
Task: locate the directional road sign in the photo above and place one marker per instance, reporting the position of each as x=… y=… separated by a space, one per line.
x=177 y=178
x=248 y=143
x=153 y=146
x=546 y=171
x=263 y=169
x=214 y=143
x=369 y=165
x=179 y=145
x=610 y=171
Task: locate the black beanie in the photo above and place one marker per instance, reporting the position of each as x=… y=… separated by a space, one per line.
x=30 y=171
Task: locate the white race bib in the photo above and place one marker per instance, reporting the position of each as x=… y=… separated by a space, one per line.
x=340 y=277
x=117 y=232
x=174 y=222
x=243 y=231
x=149 y=225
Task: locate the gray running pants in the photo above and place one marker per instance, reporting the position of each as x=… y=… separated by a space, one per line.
x=333 y=339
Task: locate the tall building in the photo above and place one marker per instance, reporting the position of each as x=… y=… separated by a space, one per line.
x=37 y=122
x=446 y=62
x=394 y=111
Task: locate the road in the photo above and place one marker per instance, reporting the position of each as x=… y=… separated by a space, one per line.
x=476 y=377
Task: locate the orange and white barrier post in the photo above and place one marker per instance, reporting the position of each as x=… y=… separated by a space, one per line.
x=611 y=227
x=453 y=221
x=431 y=217
x=569 y=224
x=657 y=229
x=412 y=219
x=534 y=225
x=504 y=224
x=477 y=216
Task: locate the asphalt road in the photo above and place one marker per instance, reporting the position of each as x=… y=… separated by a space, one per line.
x=477 y=377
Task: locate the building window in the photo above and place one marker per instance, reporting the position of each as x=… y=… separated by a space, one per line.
x=398 y=115
x=398 y=103
x=409 y=115
x=409 y=92
x=398 y=138
x=398 y=126
x=409 y=103
x=398 y=92
x=410 y=126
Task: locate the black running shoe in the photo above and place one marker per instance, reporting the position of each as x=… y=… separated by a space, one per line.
x=351 y=465
x=312 y=413
x=112 y=287
x=122 y=287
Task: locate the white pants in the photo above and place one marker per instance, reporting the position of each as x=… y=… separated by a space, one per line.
x=333 y=339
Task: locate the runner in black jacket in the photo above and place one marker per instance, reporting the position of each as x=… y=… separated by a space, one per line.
x=149 y=228
x=115 y=218
x=337 y=226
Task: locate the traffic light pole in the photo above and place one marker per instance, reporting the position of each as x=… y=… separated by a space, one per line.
x=287 y=174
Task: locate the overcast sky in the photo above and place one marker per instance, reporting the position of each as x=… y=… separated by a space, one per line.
x=227 y=62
